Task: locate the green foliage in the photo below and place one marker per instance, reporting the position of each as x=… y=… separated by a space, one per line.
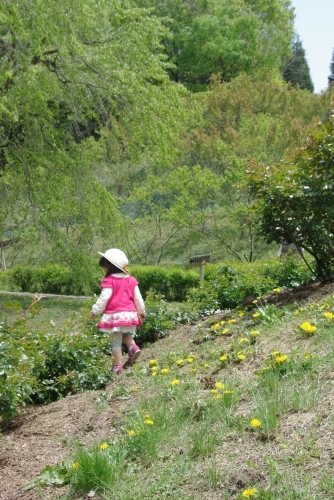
x=171 y=283
x=75 y=106
x=295 y=198
x=178 y=202
x=220 y=36
x=158 y=322
x=288 y=271
x=229 y=285
x=56 y=279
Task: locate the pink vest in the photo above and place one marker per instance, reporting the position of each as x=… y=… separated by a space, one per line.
x=122 y=298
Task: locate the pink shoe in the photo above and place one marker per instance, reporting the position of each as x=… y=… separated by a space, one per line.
x=118 y=369
x=134 y=352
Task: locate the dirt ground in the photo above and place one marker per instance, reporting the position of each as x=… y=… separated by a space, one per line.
x=42 y=435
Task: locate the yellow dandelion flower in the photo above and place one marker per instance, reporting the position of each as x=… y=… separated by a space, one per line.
x=254 y=333
x=131 y=433
x=231 y=321
x=276 y=353
x=154 y=374
x=241 y=356
x=225 y=331
x=206 y=365
x=223 y=357
x=249 y=493
x=255 y=301
x=219 y=385
x=194 y=370
x=180 y=362
x=222 y=322
x=324 y=306
x=228 y=391
x=256 y=315
x=243 y=340
x=104 y=446
x=241 y=314
x=135 y=388
x=215 y=326
x=165 y=370
x=175 y=381
x=218 y=396
x=255 y=422
x=214 y=391
x=190 y=360
x=329 y=315
x=296 y=312
x=276 y=290
x=307 y=327
x=281 y=359
x=147 y=421
x=76 y=465
x=153 y=362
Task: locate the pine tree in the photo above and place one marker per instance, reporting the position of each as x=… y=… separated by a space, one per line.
x=331 y=68
x=297 y=70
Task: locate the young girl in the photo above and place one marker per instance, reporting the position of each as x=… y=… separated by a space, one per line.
x=122 y=306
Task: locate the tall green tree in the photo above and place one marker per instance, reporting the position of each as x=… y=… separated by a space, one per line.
x=71 y=74
x=224 y=36
x=331 y=66
x=297 y=71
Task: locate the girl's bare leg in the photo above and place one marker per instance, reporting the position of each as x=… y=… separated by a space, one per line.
x=127 y=339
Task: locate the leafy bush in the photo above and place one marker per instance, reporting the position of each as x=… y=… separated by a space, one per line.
x=289 y=271
x=226 y=287
x=158 y=320
x=44 y=364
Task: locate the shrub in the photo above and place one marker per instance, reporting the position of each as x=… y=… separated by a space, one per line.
x=288 y=271
x=44 y=364
x=158 y=320
x=227 y=286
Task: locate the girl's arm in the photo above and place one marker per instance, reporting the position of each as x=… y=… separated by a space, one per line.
x=139 y=303
x=101 y=302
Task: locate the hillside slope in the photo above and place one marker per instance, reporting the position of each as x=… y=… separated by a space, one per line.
x=290 y=455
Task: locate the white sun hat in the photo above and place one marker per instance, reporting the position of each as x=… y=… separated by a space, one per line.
x=116 y=257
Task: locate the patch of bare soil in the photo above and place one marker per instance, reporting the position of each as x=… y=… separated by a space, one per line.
x=315 y=290
x=44 y=435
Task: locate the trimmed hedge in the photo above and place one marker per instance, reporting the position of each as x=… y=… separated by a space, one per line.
x=172 y=283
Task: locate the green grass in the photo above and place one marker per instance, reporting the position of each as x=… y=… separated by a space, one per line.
x=14 y=307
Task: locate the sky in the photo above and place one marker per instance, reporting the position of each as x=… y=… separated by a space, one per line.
x=315 y=27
